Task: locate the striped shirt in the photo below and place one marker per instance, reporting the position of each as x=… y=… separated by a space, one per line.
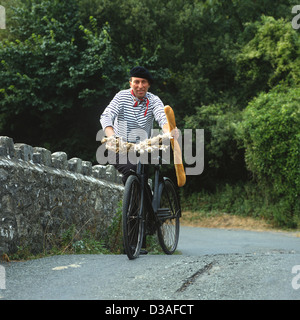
x=132 y=118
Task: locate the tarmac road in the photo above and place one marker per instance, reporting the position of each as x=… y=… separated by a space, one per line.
x=215 y=264
x=199 y=241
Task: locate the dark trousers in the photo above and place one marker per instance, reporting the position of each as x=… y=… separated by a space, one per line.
x=125 y=170
x=125 y=167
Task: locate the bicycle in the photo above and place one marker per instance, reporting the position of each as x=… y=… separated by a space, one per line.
x=163 y=205
x=145 y=212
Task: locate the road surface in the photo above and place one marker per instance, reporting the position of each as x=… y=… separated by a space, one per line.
x=214 y=264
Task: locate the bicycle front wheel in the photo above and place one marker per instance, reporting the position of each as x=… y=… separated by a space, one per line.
x=168 y=216
x=132 y=218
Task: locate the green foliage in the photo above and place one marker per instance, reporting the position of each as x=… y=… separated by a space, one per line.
x=41 y=16
x=196 y=40
x=243 y=199
x=73 y=243
x=114 y=240
x=223 y=158
x=9 y=6
x=239 y=199
x=57 y=70
x=270 y=57
x=270 y=132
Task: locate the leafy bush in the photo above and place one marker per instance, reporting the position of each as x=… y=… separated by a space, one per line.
x=270 y=133
x=239 y=199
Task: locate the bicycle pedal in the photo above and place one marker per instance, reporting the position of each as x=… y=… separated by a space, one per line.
x=163 y=211
x=143 y=251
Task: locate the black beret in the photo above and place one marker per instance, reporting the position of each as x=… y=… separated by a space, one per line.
x=141 y=72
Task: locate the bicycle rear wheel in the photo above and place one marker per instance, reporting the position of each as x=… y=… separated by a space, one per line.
x=168 y=216
x=132 y=218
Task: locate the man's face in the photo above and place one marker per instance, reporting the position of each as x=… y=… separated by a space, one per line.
x=139 y=86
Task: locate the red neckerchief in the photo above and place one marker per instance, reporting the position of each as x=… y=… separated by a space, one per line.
x=141 y=100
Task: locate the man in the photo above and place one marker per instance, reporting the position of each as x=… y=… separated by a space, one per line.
x=131 y=113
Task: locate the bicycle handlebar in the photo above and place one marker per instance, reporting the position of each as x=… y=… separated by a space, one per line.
x=118 y=145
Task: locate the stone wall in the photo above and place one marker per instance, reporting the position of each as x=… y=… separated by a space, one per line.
x=43 y=194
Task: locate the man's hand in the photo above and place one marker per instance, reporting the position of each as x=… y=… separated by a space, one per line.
x=174 y=132
x=109 y=131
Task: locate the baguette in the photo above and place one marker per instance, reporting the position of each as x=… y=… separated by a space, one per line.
x=180 y=173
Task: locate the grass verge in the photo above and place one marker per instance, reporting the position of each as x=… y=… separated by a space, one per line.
x=228 y=221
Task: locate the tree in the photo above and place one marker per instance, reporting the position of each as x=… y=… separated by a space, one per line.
x=269 y=58
x=9 y=6
x=53 y=80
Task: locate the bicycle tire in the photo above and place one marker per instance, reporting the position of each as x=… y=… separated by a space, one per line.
x=132 y=218
x=168 y=215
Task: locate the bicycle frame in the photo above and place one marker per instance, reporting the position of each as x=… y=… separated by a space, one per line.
x=150 y=217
